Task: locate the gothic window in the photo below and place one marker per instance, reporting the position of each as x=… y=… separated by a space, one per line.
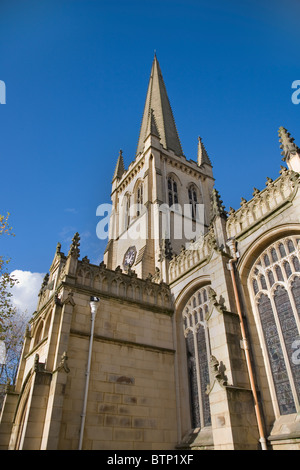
x=39 y=333
x=172 y=191
x=139 y=199
x=193 y=200
x=275 y=291
x=197 y=346
x=127 y=211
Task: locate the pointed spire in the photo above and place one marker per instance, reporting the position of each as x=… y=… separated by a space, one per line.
x=202 y=154
x=287 y=143
x=119 y=167
x=158 y=117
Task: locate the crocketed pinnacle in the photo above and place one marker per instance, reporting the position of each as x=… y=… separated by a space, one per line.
x=74 y=247
x=217 y=207
x=158 y=117
x=202 y=154
x=287 y=143
x=119 y=167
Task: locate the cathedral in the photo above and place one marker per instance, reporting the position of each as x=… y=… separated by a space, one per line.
x=187 y=335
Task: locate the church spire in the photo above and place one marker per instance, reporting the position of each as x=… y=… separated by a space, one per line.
x=158 y=117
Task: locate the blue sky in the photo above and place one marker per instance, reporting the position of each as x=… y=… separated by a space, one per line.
x=76 y=75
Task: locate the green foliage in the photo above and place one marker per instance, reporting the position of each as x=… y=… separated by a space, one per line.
x=6 y=280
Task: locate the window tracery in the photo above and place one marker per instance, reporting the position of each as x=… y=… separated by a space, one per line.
x=197 y=346
x=275 y=287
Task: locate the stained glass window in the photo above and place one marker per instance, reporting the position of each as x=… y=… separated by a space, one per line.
x=276 y=294
x=197 y=344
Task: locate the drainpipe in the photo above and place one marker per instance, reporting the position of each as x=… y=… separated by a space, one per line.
x=94 y=307
x=234 y=254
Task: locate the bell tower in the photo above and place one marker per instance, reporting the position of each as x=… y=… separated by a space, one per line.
x=162 y=200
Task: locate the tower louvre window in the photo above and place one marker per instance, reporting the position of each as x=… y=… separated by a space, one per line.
x=172 y=191
x=139 y=199
x=127 y=211
x=193 y=201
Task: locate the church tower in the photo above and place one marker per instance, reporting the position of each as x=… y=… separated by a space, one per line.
x=162 y=201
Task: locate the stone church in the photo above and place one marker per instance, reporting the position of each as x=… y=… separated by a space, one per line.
x=186 y=336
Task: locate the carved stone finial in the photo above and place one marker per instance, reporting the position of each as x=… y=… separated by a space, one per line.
x=74 y=248
x=269 y=181
x=288 y=145
x=283 y=170
x=44 y=283
x=217 y=206
x=202 y=154
x=166 y=250
x=255 y=192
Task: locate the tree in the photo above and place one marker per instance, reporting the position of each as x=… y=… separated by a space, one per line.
x=6 y=280
x=12 y=322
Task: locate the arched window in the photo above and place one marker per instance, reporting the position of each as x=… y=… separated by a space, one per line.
x=38 y=334
x=197 y=347
x=139 y=199
x=277 y=306
x=127 y=211
x=172 y=191
x=193 y=200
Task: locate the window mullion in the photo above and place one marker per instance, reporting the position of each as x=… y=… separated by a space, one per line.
x=284 y=352
x=265 y=353
x=198 y=372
